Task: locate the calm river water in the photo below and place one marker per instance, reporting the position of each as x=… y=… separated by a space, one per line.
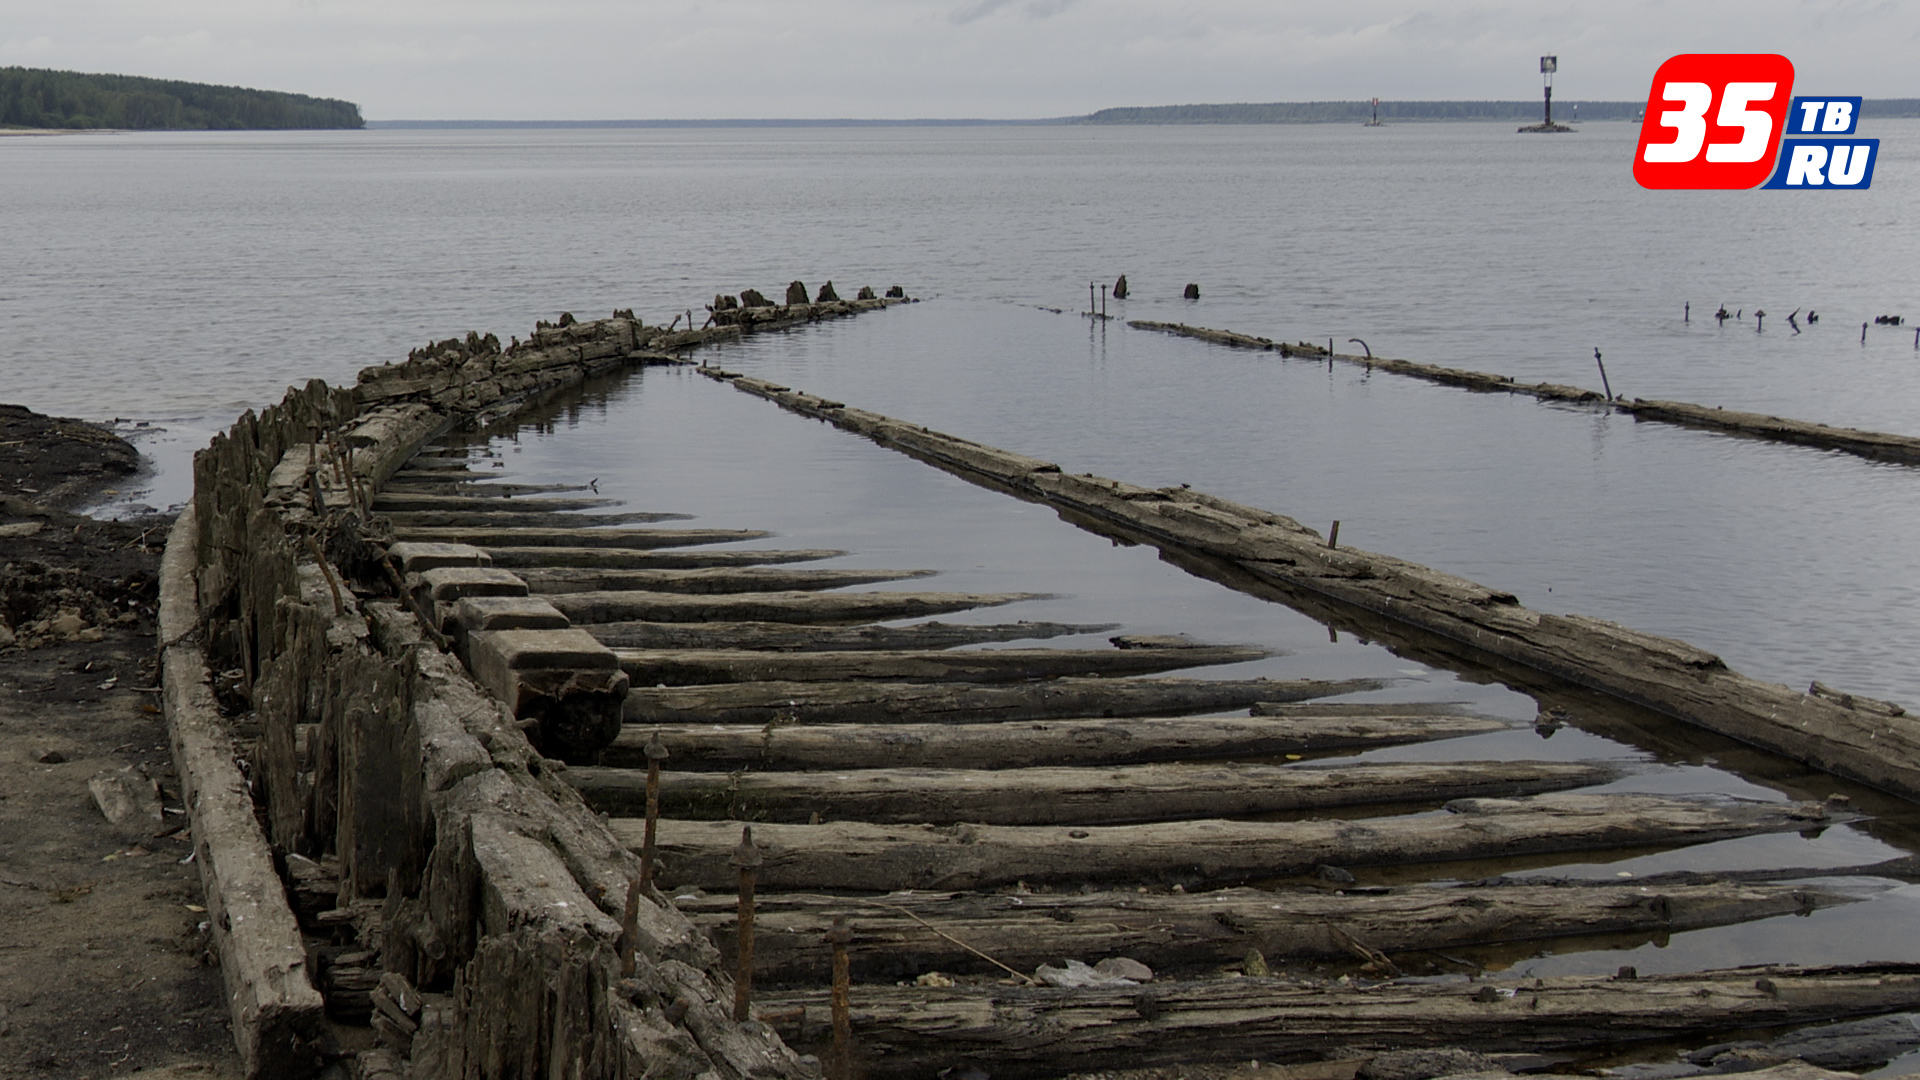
x=175 y=279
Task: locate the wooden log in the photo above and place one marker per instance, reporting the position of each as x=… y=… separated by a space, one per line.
x=718 y=579
x=895 y=936
x=1025 y=744
x=514 y=519
x=476 y=486
x=1024 y=1031
x=790 y=606
x=881 y=702
x=389 y=501
x=686 y=667
x=518 y=557
x=1111 y=795
x=640 y=634
x=278 y=1017
x=642 y=539
x=882 y=858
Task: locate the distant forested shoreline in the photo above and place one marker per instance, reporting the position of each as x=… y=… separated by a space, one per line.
x=1355 y=112
x=38 y=98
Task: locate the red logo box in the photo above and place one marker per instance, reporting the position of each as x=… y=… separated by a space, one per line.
x=1714 y=120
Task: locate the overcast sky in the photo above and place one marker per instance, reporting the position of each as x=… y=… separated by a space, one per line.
x=703 y=59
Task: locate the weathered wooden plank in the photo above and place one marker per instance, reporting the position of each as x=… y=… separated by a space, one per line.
x=639 y=634
x=718 y=579
x=1026 y=1031
x=685 y=667
x=477 y=485
x=895 y=934
x=791 y=606
x=518 y=557
x=1021 y=744
x=882 y=858
x=881 y=702
x=608 y=538
x=388 y=501
x=1111 y=795
x=516 y=519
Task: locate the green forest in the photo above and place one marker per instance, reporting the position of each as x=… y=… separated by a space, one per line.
x=36 y=98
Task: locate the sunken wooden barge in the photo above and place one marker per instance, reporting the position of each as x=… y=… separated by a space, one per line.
x=497 y=780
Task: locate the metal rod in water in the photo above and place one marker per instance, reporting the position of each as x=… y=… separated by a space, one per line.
x=1603 y=372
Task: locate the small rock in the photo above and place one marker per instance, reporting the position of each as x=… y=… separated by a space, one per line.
x=67 y=624
x=1333 y=874
x=1121 y=967
x=6 y=636
x=1255 y=964
x=1192 y=293
x=51 y=757
x=934 y=979
x=124 y=795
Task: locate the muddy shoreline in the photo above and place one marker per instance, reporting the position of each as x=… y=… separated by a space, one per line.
x=104 y=964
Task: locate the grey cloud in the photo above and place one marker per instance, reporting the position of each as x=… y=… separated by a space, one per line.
x=1035 y=9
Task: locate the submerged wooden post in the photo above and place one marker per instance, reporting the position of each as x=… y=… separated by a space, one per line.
x=746 y=859
x=1333 y=535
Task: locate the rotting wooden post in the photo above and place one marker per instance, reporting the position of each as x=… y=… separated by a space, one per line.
x=1333 y=535
x=1091 y=308
x=840 y=1066
x=656 y=753
x=1103 y=301
x=630 y=925
x=746 y=858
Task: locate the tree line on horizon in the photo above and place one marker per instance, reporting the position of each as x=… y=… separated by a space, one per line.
x=1342 y=112
x=40 y=98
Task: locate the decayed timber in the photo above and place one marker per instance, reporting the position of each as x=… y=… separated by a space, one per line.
x=792 y=637
x=721 y=579
x=477 y=485
x=515 y=519
x=1877 y=445
x=789 y=606
x=606 y=538
x=1070 y=796
x=896 y=933
x=1029 y=1031
x=1875 y=743
x=883 y=858
x=388 y=501
x=880 y=702
x=627 y=558
x=684 y=667
x=1024 y=744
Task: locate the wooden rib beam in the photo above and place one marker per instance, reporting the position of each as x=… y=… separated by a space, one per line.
x=515 y=519
x=1024 y=1032
x=685 y=667
x=389 y=500
x=882 y=858
x=895 y=935
x=720 y=579
x=608 y=538
x=881 y=702
x=1070 y=796
x=510 y=557
x=1023 y=744
x=789 y=606
x=639 y=634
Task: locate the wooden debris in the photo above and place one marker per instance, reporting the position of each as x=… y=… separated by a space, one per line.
x=607 y=538
x=1167 y=930
x=544 y=556
x=1070 y=796
x=640 y=634
x=722 y=579
x=805 y=607
x=882 y=702
x=882 y=858
x=388 y=501
x=1018 y=744
x=1025 y=1031
x=684 y=667
x=407 y=520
